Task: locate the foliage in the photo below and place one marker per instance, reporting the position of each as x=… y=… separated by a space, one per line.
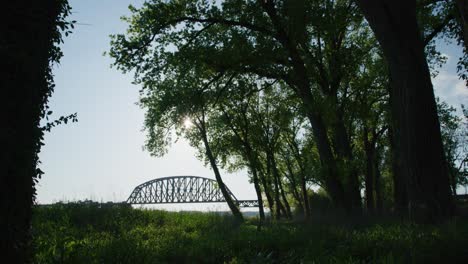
x=113 y=233
x=297 y=92
x=61 y=26
x=200 y=52
x=30 y=36
x=454 y=138
x=441 y=20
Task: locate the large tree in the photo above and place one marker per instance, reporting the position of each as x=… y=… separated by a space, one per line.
x=416 y=125
x=289 y=42
x=239 y=133
x=29 y=34
x=184 y=93
x=320 y=52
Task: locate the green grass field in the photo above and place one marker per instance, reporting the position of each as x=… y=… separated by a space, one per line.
x=93 y=233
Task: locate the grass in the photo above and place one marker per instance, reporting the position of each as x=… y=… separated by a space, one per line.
x=93 y=233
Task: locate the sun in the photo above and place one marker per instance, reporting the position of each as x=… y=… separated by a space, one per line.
x=187 y=123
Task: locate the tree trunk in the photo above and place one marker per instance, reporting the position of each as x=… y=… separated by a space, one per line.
x=462 y=6
x=332 y=183
x=279 y=206
x=369 y=177
x=278 y=178
x=302 y=89
x=266 y=189
x=345 y=154
x=253 y=161
x=378 y=184
x=258 y=190
x=305 y=196
x=400 y=195
x=453 y=180
x=234 y=209
x=293 y=187
x=413 y=107
x=285 y=200
x=26 y=41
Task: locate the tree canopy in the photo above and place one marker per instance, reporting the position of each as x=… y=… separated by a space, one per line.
x=300 y=93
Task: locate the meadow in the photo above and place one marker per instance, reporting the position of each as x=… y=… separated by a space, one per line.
x=112 y=233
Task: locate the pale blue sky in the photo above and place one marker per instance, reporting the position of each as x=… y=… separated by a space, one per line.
x=101 y=156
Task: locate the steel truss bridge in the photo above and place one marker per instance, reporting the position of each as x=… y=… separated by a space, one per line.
x=182 y=189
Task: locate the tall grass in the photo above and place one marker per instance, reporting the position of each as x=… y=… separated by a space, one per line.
x=93 y=233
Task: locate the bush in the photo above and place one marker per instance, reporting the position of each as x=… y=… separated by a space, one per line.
x=93 y=233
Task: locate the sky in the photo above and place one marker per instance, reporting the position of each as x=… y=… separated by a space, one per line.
x=101 y=157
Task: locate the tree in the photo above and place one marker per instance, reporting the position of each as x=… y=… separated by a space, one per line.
x=462 y=157
x=239 y=132
x=267 y=40
x=29 y=36
x=415 y=123
x=181 y=92
x=454 y=138
x=253 y=119
x=323 y=54
x=372 y=115
x=273 y=116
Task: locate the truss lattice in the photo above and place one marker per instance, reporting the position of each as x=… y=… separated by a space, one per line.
x=182 y=189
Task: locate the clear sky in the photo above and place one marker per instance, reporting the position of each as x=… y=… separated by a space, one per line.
x=101 y=156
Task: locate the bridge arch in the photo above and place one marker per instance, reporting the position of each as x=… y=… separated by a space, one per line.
x=182 y=189
x=178 y=189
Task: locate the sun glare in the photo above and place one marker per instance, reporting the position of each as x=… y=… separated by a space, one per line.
x=187 y=123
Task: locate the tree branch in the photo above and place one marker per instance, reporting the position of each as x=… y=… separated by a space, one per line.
x=226 y=22
x=436 y=30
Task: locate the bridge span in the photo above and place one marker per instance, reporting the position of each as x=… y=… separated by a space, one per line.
x=182 y=189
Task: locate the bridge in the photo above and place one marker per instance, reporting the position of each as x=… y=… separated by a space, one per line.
x=182 y=189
